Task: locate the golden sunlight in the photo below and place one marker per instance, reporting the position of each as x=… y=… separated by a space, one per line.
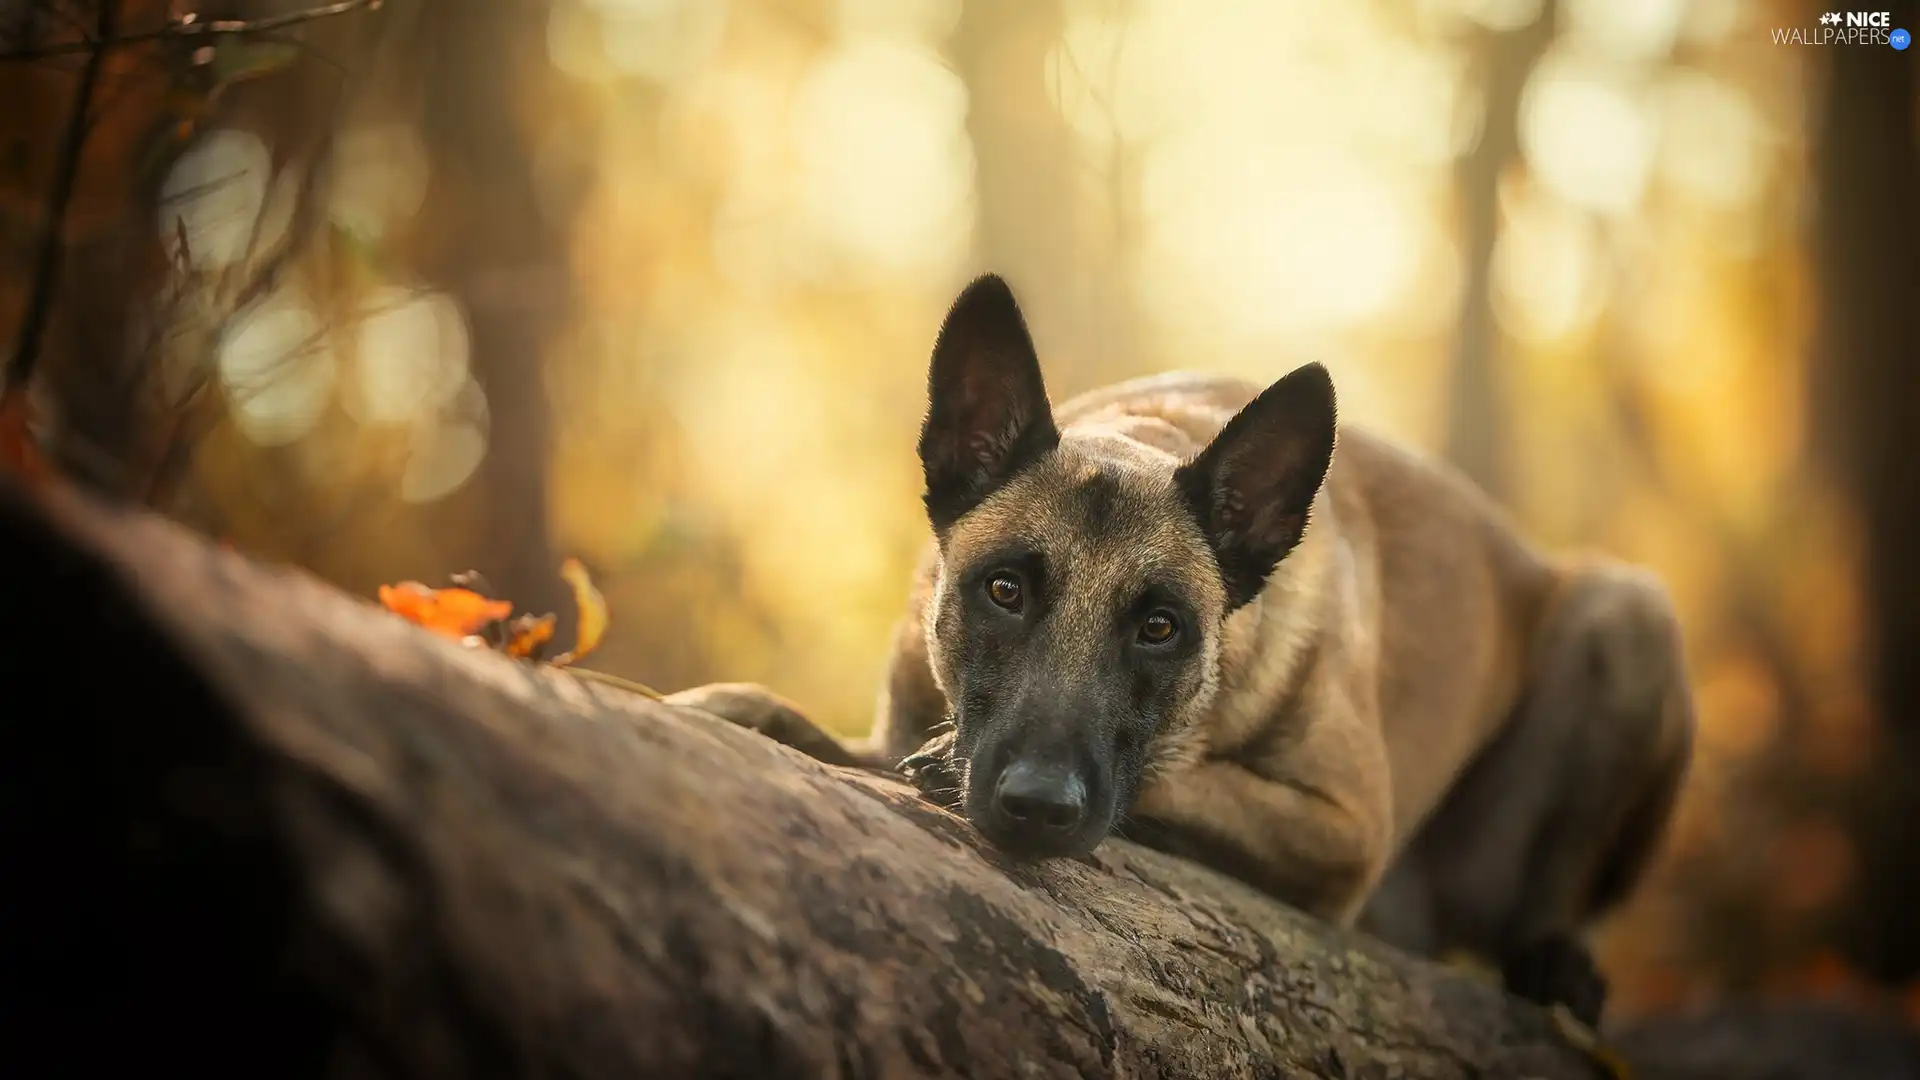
x=883 y=158
x=1588 y=134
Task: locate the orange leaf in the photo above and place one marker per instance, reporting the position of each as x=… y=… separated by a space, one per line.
x=454 y=613
x=19 y=452
x=593 y=612
x=529 y=634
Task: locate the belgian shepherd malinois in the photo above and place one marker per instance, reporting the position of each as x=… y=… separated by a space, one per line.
x=1199 y=613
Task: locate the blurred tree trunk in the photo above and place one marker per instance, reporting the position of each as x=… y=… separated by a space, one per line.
x=1027 y=175
x=1476 y=413
x=1867 y=178
x=499 y=250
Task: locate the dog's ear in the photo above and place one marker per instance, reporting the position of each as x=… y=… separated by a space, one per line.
x=987 y=411
x=1253 y=485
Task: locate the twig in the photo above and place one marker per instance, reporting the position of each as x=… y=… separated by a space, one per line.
x=33 y=328
x=178 y=447
x=188 y=30
x=615 y=681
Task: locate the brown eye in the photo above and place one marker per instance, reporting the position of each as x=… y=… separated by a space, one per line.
x=1004 y=590
x=1158 y=629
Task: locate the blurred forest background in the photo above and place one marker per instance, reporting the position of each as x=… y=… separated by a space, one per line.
x=391 y=290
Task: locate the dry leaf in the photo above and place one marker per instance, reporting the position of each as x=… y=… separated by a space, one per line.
x=466 y=614
x=593 y=612
x=454 y=613
x=528 y=634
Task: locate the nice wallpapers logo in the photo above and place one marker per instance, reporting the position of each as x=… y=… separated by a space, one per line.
x=1847 y=28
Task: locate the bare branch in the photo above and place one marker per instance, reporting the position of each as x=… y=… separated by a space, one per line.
x=190 y=29
x=33 y=327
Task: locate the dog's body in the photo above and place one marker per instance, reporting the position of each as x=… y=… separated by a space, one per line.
x=1400 y=713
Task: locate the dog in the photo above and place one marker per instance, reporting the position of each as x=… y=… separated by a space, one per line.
x=1201 y=614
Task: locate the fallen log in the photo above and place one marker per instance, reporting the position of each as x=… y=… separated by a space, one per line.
x=276 y=830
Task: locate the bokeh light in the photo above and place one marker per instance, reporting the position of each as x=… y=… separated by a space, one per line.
x=1590 y=135
x=884 y=164
x=277 y=367
x=213 y=197
x=411 y=356
x=379 y=178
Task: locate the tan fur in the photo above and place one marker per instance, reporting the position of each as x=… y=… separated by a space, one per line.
x=1369 y=690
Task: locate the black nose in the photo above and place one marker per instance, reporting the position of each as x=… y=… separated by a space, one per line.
x=1050 y=797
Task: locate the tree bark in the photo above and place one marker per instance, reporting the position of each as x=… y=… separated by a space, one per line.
x=306 y=837
x=1866 y=393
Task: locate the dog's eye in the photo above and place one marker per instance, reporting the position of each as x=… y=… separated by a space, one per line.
x=1004 y=590
x=1159 y=628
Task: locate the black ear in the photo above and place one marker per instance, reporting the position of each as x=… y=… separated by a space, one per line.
x=1253 y=485
x=987 y=411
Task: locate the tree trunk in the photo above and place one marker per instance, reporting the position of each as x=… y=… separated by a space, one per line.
x=1073 y=280
x=1476 y=412
x=296 y=834
x=502 y=252
x=1867 y=177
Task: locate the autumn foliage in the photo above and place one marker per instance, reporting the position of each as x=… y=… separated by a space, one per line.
x=464 y=612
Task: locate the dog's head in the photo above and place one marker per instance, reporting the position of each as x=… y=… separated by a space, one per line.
x=1084 y=584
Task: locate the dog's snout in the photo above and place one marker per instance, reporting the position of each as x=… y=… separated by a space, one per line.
x=1042 y=796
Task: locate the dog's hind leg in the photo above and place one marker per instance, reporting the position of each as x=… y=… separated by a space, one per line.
x=1556 y=821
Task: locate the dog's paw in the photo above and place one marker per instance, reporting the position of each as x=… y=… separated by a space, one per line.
x=757 y=708
x=1557 y=970
x=933 y=770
